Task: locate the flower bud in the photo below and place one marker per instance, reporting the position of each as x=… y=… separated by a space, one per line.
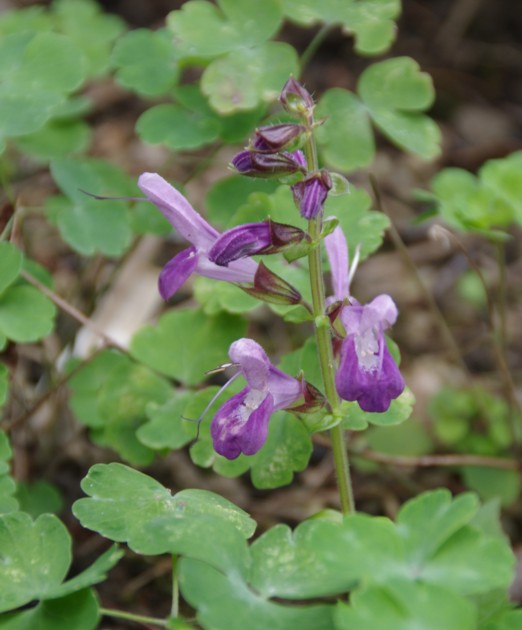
x=269 y=287
x=311 y=193
x=258 y=164
x=275 y=138
x=295 y=99
x=266 y=237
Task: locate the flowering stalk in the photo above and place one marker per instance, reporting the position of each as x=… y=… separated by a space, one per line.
x=324 y=342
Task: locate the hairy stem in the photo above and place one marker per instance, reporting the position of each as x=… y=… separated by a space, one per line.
x=325 y=350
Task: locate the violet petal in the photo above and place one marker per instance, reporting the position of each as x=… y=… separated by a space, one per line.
x=175 y=273
x=240 y=242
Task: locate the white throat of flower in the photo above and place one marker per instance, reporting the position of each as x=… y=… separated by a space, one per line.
x=368 y=351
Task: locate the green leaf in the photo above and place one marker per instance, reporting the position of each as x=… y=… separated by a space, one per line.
x=39 y=498
x=8 y=502
x=177 y=128
x=185 y=344
x=153 y=73
x=125 y=502
x=398 y=412
x=346 y=136
x=287 y=449
x=56 y=139
x=427 y=521
x=166 y=427
x=218 y=297
x=87 y=224
x=86 y=386
x=231 y=26
x=501 y=177
x=238 y=82
x=25 y=314
x=371 y=21
x=10 y=264
x=78 y=611
x=227 y=195
x=291 y=565
x=361 y=226
x=79 y=19
x=395 y=92
x=36 y=557
x=405 y=606
x=225 y=603
x=506 y=620
x=491 y=483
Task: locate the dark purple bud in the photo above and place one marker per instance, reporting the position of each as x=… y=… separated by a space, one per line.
x=256 y=164
x=267 y=237
x=295 y=99
x=310 y=194
x=277 y=137
x=269 y=287
x=239 y=242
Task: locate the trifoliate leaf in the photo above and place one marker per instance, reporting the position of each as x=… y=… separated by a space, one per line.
x=167 y=427
x=502 y=177
x=231 y=25
x=25 y=314
x=490 y=483
x=399 y=411
x=238 y=82
x=153 y=73
x=185 y=344
x=10 y=264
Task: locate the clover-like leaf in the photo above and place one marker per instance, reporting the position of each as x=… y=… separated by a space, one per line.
x=153 y=73
x=39 y=498
x=10 y=264
x=36 y=557
x=167 y=427
x=232 y=25
x=124 y=503
x=371 y=21
x=25 y=314
x=78 y=611
x=228 y=603
x=405 y=606
x=395 y=92
x=185 y=344
x=37 y=72
x=238 y=82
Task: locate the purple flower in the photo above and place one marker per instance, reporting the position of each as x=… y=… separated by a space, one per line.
x=241 y=424
x=277 y=137
x=367 y=372
x=265 y=165
x=193 y=227
x=311 y=193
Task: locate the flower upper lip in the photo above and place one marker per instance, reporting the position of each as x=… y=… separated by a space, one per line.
x=193 y=227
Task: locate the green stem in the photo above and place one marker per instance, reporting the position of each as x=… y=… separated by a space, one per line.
x=325 y=350
x=174 y=611
x=120 y=614
x=312 y=47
